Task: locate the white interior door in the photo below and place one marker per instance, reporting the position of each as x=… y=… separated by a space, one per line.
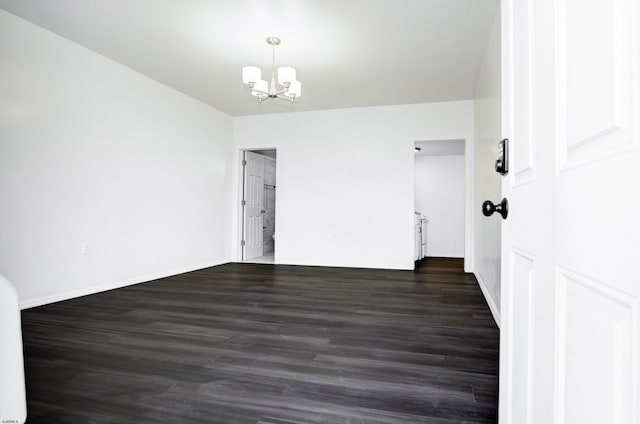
x=253 y=205
x=571 y=243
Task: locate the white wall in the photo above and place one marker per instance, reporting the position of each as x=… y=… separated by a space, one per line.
x=487 y=130
x=93 y=152
x=439 y=194
x=345 y=179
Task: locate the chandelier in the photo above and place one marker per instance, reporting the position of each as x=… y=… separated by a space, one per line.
x=289 y=89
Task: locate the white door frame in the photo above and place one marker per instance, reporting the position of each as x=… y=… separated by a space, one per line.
x=469 y=251
x=239 y=197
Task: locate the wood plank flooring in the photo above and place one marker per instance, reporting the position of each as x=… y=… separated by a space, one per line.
x=264 y=344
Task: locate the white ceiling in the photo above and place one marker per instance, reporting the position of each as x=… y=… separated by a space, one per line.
x=348 y=53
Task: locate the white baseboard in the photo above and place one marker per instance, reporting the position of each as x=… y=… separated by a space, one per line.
x=31 y=303
x=490 y=301
x=444 y=255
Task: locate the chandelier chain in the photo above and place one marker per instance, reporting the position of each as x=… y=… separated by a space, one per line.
x=272 y=86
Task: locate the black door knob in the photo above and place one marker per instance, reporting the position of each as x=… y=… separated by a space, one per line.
x=488 y=208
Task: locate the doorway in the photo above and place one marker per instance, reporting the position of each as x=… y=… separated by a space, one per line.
x=440 y=199
x=258 y=206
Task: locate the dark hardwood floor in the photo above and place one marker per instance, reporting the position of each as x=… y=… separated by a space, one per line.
x=264 y=344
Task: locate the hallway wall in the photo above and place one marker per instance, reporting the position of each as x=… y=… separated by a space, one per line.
x=488 y=131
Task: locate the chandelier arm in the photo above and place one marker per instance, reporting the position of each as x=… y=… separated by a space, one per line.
x=291 y=99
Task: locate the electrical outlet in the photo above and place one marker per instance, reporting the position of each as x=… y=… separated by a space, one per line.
x=87 y=248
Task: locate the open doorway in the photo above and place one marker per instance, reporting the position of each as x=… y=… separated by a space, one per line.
x=258 y=206
x=440 y=199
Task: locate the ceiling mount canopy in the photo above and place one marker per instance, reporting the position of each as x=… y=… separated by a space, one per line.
x=289 y=88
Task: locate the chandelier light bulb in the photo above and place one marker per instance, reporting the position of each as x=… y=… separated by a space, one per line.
x=294 y=90
x=251 y=74
x=260 y=87
x=286 y=75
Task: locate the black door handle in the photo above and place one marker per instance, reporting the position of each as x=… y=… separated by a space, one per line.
x=488 y=208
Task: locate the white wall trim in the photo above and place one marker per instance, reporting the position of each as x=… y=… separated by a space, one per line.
x=469 y=216
x=332 y=265
x=25 y=304
x=495 y=311
x=444 y=255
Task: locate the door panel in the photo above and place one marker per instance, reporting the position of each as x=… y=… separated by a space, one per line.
x=523 y=94
x=596 y=104
x=595 y=326
x=522 y=270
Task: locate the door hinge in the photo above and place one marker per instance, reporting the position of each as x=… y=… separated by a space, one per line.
x=244 y=162
x=242 y=243
x=243 y=203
